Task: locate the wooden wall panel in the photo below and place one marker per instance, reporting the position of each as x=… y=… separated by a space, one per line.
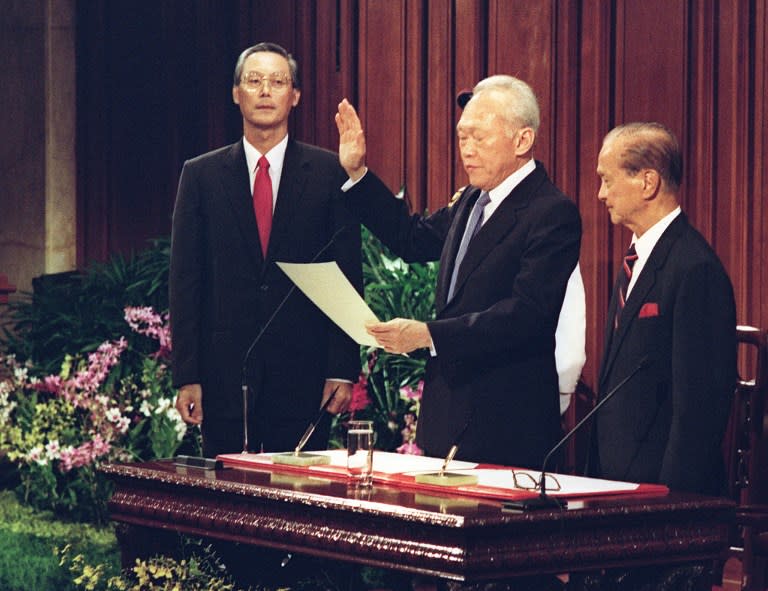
x=414 y=176
x=757 y=310
x=595 y=113
x=521 y=44
x=470 y=62
x=730 y=200
x=649 y=88
x=565 y=157
x=701 y=133
x=441 y=113
x=697 y=65
x=382 y=71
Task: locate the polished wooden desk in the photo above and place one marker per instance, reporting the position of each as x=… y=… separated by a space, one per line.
x=442 y=535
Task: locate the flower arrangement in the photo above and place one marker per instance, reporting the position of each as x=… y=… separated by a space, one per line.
x=58 y=429
x=412 y=397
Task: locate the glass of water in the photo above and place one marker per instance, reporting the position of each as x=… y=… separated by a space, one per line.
x=360 y=451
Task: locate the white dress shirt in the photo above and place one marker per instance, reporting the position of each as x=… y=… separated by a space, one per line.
x=645 y=243
x=275 y=157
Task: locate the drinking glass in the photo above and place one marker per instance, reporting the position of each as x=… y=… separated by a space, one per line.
x=360 y=451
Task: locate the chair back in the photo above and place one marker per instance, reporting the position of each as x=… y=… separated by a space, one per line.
x=745 y=443
x=745 y=448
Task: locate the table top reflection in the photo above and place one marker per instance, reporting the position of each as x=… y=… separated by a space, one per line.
x=442 y=534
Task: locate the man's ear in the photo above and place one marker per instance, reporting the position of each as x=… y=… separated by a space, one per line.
x=296 y=97
x=236 y=95
x=525 y=138
x=651 y=182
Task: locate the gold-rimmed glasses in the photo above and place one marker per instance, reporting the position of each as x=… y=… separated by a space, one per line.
x=255 y=81
x=527 y=481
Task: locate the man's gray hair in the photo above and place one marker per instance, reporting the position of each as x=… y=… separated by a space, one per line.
x=520 y=104
x=649 y=144
x=268 y=47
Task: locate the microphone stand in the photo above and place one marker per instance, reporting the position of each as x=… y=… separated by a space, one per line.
x=264 y=327
x=544 y=501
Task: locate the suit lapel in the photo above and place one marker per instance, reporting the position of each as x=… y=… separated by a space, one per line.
x=493 y=231
x=237 y=192
x=638 y=296
x=293 y=180
x=452 y=240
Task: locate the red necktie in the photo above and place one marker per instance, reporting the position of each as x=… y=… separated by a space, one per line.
x=262 y=202
x=625 y=276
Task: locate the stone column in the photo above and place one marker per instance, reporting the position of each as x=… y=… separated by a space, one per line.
x=37 y=152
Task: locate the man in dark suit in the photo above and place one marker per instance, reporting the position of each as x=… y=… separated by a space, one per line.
x=672 y=304
x=225 y=286
x=491 y=377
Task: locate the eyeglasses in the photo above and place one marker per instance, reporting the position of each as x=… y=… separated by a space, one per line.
x=253 y=81
x=527 y=481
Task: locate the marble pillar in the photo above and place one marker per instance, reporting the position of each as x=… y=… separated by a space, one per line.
x=37 y=127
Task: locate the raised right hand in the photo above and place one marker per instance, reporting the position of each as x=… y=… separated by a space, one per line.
x=351 y=140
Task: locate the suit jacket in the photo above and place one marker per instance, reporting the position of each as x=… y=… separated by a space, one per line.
x=223 y=291
x=666 y=424
x=495 y=366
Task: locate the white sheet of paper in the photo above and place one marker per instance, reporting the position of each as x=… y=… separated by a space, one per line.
x=394 y=463
x=569 y=485
x=331 y=291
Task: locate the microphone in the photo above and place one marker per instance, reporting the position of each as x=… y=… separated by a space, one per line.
x=443 y=478
x=299 y=458
x=265 y=326
x=543 y=501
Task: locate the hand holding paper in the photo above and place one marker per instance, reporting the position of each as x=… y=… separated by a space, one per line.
x=331 y=291
x=400 y=335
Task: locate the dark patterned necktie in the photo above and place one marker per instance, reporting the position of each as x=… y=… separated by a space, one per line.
x=473 y=225
x=625 y=276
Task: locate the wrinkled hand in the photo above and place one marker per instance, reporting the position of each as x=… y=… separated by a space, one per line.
x=189 y=403
x=343 y=397
x=351 y=140
x=400 y=335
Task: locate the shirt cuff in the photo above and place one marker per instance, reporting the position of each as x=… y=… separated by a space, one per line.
x=350 y=183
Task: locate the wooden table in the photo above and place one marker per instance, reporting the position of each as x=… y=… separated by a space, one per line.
x=442 y=535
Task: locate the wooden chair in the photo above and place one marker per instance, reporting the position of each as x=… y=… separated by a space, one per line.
x=746 y=454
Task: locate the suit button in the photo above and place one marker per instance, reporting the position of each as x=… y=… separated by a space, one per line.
x=263 y=287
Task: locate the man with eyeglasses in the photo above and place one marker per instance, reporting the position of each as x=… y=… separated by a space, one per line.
x=239 y=209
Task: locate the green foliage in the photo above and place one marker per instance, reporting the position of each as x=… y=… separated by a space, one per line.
x=57 y=434
x=393 y=289
x=75 y=312
x=72 y=317
x=195 y=567
x=27 y=542
x=58 y=430
x=54 y=336
x=159 y=573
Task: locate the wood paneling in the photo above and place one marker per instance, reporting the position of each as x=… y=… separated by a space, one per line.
x=521 y=43
x=595 y=113
x=756 y=310
x=438 y=146
x=696 y=65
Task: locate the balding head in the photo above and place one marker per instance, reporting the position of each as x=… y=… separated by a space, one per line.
x=649 y=145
